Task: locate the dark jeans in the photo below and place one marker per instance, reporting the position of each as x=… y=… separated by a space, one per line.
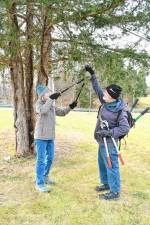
x=110 y=176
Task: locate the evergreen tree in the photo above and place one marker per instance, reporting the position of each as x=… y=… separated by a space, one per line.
x=39 y=36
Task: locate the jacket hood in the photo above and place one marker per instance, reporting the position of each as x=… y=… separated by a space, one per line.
x=116 y=106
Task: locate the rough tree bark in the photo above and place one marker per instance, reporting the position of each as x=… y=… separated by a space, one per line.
x=22 y=76
x=29 y=75
x=17 y=79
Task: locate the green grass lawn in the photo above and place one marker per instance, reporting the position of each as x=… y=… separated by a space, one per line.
x=73 y=200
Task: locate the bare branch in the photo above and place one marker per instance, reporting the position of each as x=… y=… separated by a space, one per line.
x=139 y=2
x=21 y=16
x=21 y=24
x=131 y=32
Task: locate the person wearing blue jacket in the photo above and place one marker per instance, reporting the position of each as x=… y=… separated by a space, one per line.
x=111 y=105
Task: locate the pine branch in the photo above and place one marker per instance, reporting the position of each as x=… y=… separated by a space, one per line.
x=103 y=10
x=82 y=15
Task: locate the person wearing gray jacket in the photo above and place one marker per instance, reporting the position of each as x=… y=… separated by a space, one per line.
x=111 y=106
x=44 y=134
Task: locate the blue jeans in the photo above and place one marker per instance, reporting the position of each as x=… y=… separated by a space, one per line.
x=44 y=159
x=110 y=176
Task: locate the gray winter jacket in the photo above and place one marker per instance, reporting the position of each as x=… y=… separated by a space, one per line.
x=109 y=112
x=45 y=123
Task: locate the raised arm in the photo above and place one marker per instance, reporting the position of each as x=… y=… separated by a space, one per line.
x=96 y=86
x=43 y=108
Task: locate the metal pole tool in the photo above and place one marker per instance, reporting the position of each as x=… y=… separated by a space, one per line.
x=105 y=125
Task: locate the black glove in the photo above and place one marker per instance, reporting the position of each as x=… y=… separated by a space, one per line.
x=105 y=133
x=89 y=69
x=73 y=105
x=55 y=95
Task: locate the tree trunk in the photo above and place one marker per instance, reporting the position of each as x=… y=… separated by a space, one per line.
x=17 y=79
x=29 y=73
x=4 y=95
x=20 y=119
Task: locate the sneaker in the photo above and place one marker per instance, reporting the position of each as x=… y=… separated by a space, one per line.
x=43 y=189
x=103 y=187
x=110 y=196
x=49 y=181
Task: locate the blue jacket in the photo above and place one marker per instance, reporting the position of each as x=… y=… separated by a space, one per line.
x=109 y=112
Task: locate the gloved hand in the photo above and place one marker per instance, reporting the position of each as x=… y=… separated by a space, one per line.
x=73 y=105
x=105 y=133
x=55 y=95
x=89 y=69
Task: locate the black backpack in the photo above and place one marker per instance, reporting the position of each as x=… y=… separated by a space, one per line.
x=131 y=122
x=130 y=119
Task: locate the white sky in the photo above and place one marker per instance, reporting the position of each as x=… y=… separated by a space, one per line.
x=127 y=41
x=148 y=81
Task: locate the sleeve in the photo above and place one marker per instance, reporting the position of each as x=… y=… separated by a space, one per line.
x=62 y=111
x=123 y=127
x=97 y=88
x=43 y=108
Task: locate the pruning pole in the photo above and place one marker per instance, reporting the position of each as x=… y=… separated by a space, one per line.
x=79 y=92
x=142 y=113
x=66 y=89
x=107 y=153
x=118 y=152
x=105 y=124
x=134 y=104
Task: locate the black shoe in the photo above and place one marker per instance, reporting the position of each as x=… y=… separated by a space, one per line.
x=110 y=196
x=103 y=187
